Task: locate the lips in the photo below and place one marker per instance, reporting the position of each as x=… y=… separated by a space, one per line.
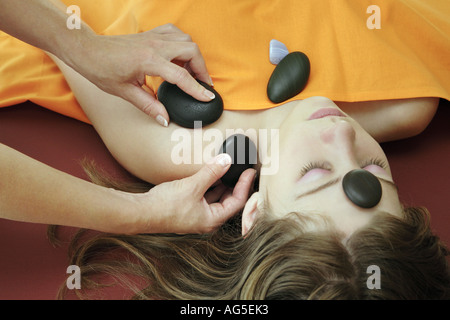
x=326 y=112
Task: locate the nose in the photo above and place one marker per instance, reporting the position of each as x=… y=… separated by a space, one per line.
x=345 y=136
x=360 y=186
x=340 y=139
x=341 y=134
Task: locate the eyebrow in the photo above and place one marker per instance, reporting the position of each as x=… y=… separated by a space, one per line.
x=335 y=181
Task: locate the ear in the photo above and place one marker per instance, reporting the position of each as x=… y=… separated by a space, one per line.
x=251 y=212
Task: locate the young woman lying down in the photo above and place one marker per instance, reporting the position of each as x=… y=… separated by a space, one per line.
x=299 y=235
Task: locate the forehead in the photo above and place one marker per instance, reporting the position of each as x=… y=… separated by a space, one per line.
x=332 y=204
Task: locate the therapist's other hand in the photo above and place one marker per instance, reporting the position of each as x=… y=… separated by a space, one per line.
x=190 y=205
x=119 y=64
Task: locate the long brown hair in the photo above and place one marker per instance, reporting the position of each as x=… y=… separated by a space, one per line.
x=276 y=260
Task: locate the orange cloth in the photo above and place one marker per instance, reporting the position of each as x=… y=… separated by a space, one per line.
x=408 y=57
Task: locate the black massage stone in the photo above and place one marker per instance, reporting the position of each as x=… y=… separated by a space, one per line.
x=289 y=77
x=243 y=154
x=362 y=188
x=184 y=110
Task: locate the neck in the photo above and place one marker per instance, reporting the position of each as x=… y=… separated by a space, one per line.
x=261 y=126
x=258 y=119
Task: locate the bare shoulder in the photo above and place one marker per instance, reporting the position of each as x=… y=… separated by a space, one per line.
x=414 y=115
x=388 y=120
x=420 y=109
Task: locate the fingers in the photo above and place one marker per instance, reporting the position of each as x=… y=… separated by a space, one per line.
x=185 y=50
x=166 y=52
x=148 y=103
x=216 y=193
x=180 y=76
x=232 y=203
x=212 y=171
x=178 y=46
x=170 y=32
x=166 y=28
x=236 y=201
x=189 y=53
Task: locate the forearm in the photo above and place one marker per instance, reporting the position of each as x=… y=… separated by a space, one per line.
x=34 y=192
x=43 y=24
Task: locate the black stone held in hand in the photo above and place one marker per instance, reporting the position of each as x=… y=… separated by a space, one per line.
x=184 y=110
x=243 y=154
x=362 y=188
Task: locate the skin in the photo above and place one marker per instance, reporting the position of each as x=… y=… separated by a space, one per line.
x=126 y=129
x=31 y=191
x=344 y=143
x=148 y=158
x=158 y=52
x=34 y=192
x=340 y=145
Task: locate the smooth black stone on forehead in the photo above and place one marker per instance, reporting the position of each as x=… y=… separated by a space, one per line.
x=362 y=188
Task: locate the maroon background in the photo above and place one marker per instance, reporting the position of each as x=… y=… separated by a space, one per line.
x=31 y=268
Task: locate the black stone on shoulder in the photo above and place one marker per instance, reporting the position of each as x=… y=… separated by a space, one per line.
x=184 y=110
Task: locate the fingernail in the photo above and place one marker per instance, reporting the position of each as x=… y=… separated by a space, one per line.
x=223 y=159
x=209 y=94
x=162 y=121
x=211 y=83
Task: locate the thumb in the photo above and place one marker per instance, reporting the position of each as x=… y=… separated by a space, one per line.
x=212 y=171
x=147 y=102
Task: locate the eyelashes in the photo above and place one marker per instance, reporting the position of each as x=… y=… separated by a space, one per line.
x=323 y=165
x=376 y=161
x=311 y=166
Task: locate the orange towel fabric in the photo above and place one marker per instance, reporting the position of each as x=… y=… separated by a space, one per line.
x=409 y=56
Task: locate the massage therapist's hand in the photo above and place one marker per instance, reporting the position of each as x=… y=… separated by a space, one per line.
x=186 y=205
x=118 y=65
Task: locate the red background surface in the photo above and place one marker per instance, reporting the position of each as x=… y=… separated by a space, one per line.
x=31 y=268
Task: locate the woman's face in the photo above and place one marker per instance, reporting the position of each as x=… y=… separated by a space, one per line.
x=318 y=145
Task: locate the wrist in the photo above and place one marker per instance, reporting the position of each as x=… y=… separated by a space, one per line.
x=131 y=213
x=108 y=210
x=75 y=47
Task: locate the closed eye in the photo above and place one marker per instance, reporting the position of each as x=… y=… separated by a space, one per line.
x=376 y=166
x=314 y=165
x=369 y=164
x=377 y=162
